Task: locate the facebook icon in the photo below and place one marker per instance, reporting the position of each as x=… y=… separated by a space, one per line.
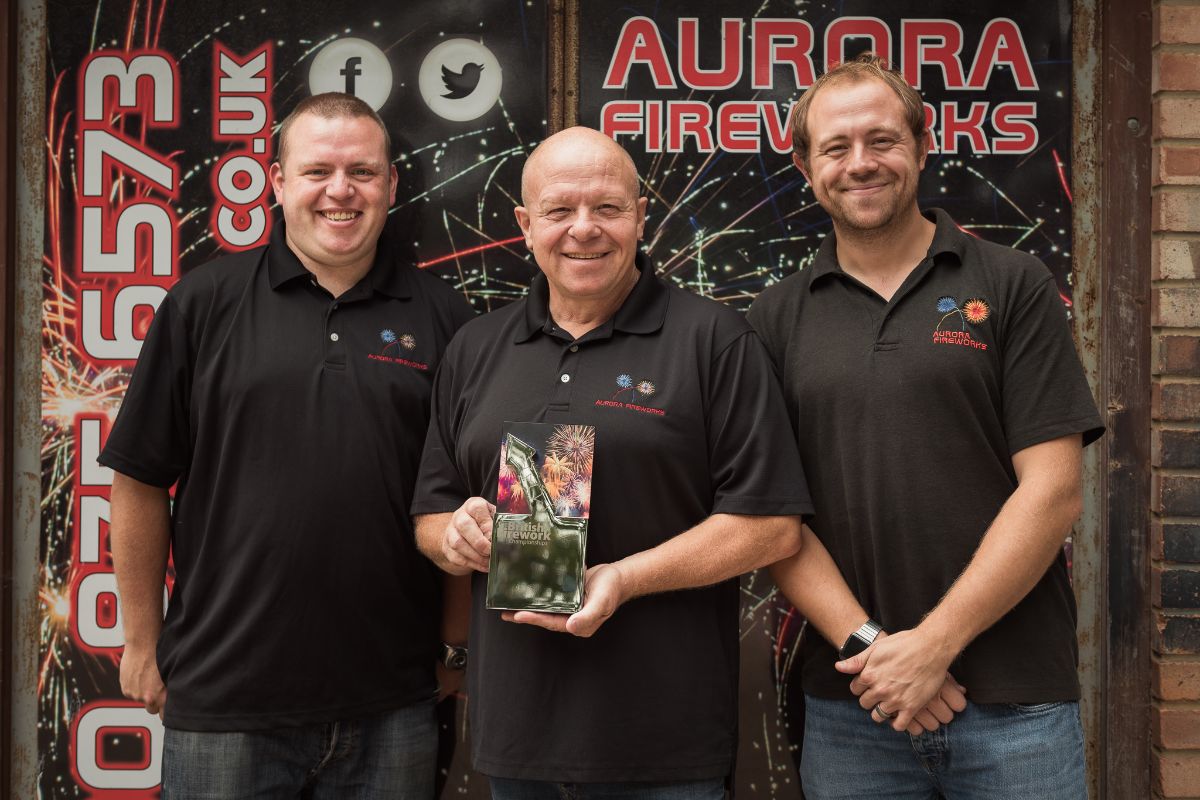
x=350 y=71
x=354 y=66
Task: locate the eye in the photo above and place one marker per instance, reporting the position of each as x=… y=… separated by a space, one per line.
x=362 y=172
x=316 y=172
x=835 y=150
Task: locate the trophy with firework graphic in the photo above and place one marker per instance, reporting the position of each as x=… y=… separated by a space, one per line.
x=539 y=533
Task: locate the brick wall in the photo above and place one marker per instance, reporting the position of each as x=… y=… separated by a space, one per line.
x=1175 y=437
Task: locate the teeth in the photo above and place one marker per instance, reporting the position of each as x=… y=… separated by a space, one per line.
x=339 y=216
x=585 y=256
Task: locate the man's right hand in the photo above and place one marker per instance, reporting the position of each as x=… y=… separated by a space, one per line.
x=140 y=679
x=467 y=538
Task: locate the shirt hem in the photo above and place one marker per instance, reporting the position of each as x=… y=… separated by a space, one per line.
x=291 y=719
x=609 y=774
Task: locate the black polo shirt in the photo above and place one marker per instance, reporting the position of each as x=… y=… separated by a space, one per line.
x=689 y=422
x=908 y=413
x=293 y=424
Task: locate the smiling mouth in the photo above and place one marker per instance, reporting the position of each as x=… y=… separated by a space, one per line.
x=585 y=256
x=340 y=216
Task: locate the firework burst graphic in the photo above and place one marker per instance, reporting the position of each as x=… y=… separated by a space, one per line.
x=574 y=444
x=976 y=310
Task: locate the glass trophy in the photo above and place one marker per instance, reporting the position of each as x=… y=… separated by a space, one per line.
x=539 y=533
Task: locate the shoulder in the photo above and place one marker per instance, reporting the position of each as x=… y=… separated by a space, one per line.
x=482 y=333
x=439 y=294
x=208 y=283
x=703 y=318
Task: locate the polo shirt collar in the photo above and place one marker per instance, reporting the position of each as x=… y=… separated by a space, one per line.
x=948 y=238
x=387 y=274
x=643 y=311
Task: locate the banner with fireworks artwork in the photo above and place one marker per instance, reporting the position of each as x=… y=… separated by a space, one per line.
x=158 y=139
x=158 y=136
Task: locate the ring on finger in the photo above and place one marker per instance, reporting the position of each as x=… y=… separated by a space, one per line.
x=883 y=714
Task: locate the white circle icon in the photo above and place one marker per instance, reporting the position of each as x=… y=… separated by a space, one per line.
x=460 y=80
x=352 y=66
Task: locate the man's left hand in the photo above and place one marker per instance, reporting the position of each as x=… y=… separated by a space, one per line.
x=900 y=673
x=603 y=594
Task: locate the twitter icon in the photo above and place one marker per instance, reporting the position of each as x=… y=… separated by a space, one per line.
x=460 y=80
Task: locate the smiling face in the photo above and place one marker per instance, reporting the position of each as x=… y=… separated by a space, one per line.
x=863 y=163
x=582 y=218
x=335 y=189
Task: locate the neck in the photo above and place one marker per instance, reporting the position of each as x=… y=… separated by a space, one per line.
x=578 y=315
x=336 y=280
x=883 y=258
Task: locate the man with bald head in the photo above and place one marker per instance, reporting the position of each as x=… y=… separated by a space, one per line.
x=695 y=482
x=285 y=391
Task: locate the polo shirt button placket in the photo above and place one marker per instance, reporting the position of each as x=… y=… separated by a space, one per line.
x=567 y=368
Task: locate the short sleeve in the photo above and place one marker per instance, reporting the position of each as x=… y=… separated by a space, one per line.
x=440 y=486
x=753 y=456
x=1045 y=393
x=150 y=441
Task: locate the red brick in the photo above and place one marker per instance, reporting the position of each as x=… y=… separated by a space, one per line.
x=1177 y=24
x=1177 y=774
x=1177 y=210
x=1178 y=354
x=1177 y=117
x=1177 y=495
x=1175 y=306
x=1176 y=72
x=1175 y=401
x=1176 y=727
x=1176 y=680
x=1177 y=165
x=1175 y=259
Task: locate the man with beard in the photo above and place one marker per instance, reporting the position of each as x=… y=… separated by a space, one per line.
x=940 y=411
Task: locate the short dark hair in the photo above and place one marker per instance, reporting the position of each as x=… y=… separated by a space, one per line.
x=865 y=67
x=332 y=105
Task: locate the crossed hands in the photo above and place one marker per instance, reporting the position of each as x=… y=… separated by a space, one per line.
x=901 y=678
x=467 y=545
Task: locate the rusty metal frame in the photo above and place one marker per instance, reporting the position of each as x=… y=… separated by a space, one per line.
x=1112 y=158
x=8 y=69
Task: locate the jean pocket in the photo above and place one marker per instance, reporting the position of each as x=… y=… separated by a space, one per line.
x=1035 y=708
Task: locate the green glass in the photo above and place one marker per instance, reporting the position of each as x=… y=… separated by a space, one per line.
x=537 y=561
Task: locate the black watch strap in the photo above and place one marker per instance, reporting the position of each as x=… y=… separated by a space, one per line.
x=861 y=639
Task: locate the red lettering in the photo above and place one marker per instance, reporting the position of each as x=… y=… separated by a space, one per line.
x=845 y=28
x=639 y=43
x=934 y=42
x=1016 y=132
x=730 y=71
x=781 y=41
x=1001 y=43
x=621 y=117
x=972 y=126
x=778 y=129
x=689 y=118
x=654 y=123
x=739 y=127
x=930 y=122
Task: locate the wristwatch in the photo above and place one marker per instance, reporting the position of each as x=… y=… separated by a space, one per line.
x=454 y=656
x=861 y=639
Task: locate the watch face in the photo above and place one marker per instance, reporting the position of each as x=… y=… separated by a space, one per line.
x=853 y=646
x=455 y=657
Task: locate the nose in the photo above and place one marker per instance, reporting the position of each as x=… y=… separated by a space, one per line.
x=339 y=185
x=861 y=160
x=584 y=226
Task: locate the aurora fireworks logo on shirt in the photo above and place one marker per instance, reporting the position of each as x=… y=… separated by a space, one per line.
x=393 y=346
x=973 y=311
x=639 y=393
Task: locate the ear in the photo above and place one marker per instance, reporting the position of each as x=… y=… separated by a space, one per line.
x=523 y=220
x=642 y=202
x=394 y=181
x=275 y=173
x=799 y=162
x=923 y=146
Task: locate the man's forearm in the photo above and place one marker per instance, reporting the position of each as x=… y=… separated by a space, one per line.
x=719 y=548
x=814 y=585
x=141 y=539
x=1018 y=547
x=429 y=528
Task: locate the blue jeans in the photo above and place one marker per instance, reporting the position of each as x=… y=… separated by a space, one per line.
x=505 y=789
x=391 y=755
x=994 y=751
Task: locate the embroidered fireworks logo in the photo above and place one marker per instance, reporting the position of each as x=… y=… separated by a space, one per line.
x=390 y=339
x=639 y=393
x=974 y=311
x=404 y=343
